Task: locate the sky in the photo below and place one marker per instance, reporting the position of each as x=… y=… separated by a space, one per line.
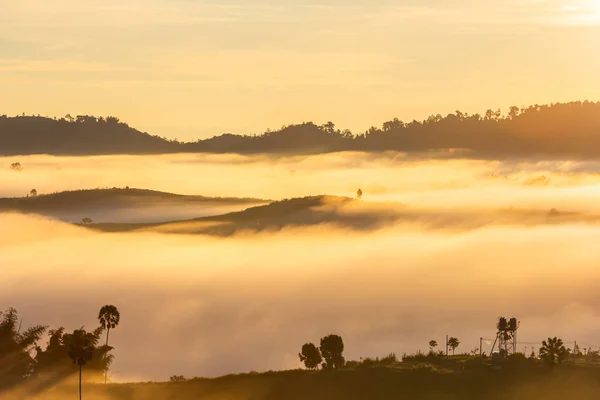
x=190 y=69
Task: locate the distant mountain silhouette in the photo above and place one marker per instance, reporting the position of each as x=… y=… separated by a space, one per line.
x=562 y=129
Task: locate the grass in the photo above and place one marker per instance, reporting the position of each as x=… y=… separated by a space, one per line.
x=397 y=380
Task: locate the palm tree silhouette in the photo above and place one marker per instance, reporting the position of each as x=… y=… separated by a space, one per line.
x=109 y=318
x=81 y=346
x=553 y=350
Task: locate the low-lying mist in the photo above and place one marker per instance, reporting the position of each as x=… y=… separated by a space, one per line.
x=382 y=177
x=196 y=305
x=202 y=305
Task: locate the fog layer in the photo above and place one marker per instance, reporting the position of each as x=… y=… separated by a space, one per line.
x=383 y=177
x=200 y=305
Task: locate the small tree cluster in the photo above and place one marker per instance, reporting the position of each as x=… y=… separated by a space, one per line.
x=329 y=354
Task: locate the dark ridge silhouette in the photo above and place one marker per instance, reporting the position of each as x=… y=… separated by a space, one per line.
x=561 y=129
x=348 y=214
x=106 y=197
x=123 y=205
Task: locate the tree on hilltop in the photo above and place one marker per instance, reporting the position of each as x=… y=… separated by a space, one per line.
x=310 y=356
x=332 y=348
x=453 y=343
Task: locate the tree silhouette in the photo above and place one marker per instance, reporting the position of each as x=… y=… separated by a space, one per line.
x=310 y=356
x=52 y=363
x=86 y=221
x=553 y=351
x=332 y=347
x=16 y=166
x=453 y=343
x=33 y=193
x=432 y=345
x=109 y=317
x=16 y=345
x=359 y=194
x=81 y=348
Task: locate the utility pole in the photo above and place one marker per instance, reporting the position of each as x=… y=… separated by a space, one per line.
x=480 y=347
x=446 y=345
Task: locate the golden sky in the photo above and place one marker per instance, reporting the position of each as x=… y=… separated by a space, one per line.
x=191 y=68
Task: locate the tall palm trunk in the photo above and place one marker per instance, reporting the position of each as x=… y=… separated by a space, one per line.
x=106 y=370
x=80 y=381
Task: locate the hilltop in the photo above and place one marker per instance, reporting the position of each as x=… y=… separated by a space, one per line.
x=348 y=214
x=276 y=215
x=118 y=204
x=562 y=129
x=420 y=381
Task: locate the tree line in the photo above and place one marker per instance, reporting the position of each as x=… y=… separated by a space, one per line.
x=329 y=355
x=66 y=354
x=565 y=129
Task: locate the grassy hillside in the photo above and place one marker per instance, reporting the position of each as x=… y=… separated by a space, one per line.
x=305 y=211
x=106 y=197
x=382 y=383
x=124 y=205
x=347 y=213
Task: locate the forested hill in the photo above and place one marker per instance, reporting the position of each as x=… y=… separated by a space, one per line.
x=563 y=130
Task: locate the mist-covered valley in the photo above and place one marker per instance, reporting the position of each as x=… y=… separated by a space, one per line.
x=432 y=248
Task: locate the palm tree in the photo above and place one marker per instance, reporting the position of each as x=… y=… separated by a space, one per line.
x=553 y=351
x=432 y=345
x=109 y=318
x=81 y=347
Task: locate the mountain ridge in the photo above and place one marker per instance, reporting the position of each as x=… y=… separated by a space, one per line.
x=560 y=129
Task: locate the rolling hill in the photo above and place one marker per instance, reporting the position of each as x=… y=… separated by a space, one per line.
x=348 y=214
x=123 y=205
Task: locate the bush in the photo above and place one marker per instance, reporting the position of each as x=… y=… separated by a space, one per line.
x=177 y=378
x=389 y=359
